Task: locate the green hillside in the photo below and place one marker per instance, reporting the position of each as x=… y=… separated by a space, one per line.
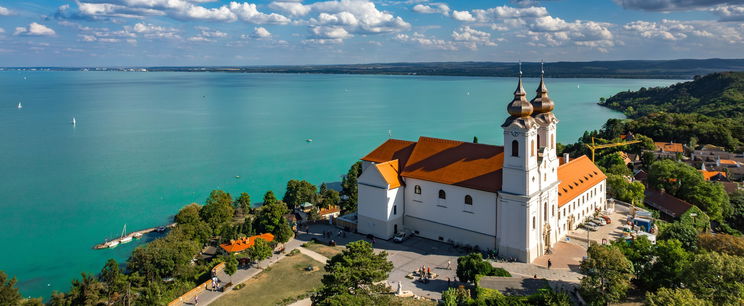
x=719 y=95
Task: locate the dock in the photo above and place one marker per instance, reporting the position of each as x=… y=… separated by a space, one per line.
x=132 y=235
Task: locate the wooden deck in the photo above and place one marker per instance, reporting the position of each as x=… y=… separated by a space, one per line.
x=104 y=245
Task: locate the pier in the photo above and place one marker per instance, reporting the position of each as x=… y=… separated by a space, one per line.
x=132 y=235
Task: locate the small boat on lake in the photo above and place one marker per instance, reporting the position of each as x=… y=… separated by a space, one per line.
x=112 y=244
x=309 y=140
x=74 y=122
x=20 y=105
x=137 y=235
x=124 y=237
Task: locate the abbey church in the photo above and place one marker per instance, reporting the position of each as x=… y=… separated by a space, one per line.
x=518 y=199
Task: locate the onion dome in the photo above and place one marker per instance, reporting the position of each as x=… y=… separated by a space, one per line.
x=542 y=103
x=519 y=107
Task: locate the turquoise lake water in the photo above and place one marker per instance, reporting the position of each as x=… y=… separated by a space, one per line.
x=147 y=144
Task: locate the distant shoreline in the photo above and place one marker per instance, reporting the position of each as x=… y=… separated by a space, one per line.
x=628 y=69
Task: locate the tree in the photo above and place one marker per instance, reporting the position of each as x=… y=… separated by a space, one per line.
x=641 y=253
x=673 y=297
x=475 y=139
x=189 y=214
x=112 y=279
x=607 y=274
x=217 y=211
x=243 y=203
x=685 y=182
x=9 y=294
x=683 y=232
x=270 y=219
x=330 y=198
x=350 y=192
x=668 y=266
x=354 y=271
x=472 y=265
x=716 y=277
x=269 y=198
x=647 y=159
x=620 y=188
x=299 y=192
x=231 y=265
x=736 y=218
x=614 y=163
x=259 y=251
x=86 y=291
x=456 y=297
x=721 y=243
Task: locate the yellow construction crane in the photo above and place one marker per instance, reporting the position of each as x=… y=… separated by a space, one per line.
x=592 y=147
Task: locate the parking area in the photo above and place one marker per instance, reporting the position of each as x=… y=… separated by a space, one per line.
x=605 y=233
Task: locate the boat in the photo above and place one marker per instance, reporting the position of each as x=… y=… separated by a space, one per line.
x=137 y=235
x=577 y=86
x=74 y=122
x=309 y=140
x=160 y=229
x=124 y=237
x=112 y=244
x=20 y=105
x=237 y=176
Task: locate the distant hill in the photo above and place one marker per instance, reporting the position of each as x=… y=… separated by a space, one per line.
x=719 y=95
x=637 y=69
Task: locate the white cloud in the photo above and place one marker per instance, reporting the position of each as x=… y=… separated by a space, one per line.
x=2 y=30
x=4 y=11
x=472 y=36
x=462 y=16
x=729 y=12
x=261 y=32
x=678 y=30
x=673 y=5
x=508 y=12
x=179 y=9
x=207 y=35
x=152 y=31
x=34 y=29
x=343 y=18
x=427 y=42
x=433 y=8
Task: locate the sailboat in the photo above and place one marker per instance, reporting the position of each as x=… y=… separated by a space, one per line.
x=124 y=237
x=20 y=105
x=112 y=244
x=74 y=122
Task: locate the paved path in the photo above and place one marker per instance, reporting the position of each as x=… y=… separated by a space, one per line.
x=313 y=254
x=206 y=297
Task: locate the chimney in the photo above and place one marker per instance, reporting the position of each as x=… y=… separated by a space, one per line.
x=565 y=158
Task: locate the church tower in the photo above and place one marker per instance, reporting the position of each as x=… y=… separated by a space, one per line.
x=517 y=232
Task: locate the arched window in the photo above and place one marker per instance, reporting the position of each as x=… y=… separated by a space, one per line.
x=552 y=141
x=468 y=200
x=545 y=211
x=538 y=139
x=532 y=152
x=533 y=222
x=553 y=213
x=442 y=194
x=515 y=148
x=417 y=189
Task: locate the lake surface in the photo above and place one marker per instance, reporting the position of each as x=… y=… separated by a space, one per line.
x=147 y=144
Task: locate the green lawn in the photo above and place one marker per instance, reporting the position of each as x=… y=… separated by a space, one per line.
x=284 y=279
x=323 y=249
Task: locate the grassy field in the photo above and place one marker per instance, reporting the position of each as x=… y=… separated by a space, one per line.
x=323 y=249
x=284 y=279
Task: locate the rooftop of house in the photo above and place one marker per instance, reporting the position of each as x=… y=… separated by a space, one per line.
x=577 y=176
x=667 y=203
x=245 y=242
x=669 y=147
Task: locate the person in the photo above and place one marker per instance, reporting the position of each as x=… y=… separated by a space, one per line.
x=448 y=282
x=550 y=264
x=196 y=300
x=449 y=265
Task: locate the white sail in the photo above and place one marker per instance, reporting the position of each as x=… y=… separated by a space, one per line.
x=20 y=105
x=74 y=122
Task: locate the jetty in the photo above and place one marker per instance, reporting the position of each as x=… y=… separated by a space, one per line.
x=107 y=244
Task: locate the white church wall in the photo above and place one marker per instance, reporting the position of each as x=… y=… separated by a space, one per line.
x=582 y=207
x=479 y=217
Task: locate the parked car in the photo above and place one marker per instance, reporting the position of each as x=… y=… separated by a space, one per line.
x=599 y=221
x=607 y=219
x=590 y=226
x=401 y=236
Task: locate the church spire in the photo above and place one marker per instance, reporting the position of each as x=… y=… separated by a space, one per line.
x=542 y=103
x=519 y=107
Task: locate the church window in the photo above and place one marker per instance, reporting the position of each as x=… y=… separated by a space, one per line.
x=545 y=177
x=532 y=152
x=395 y=209
x=552 y=141
x=442 y=194
x=515 y=148
x=538 y=139
x=417 y=189
x=533 y=222
x=468 y=200
x=553 y=211
x=545 y=211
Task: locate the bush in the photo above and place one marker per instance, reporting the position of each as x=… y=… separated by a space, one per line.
x=294 y=252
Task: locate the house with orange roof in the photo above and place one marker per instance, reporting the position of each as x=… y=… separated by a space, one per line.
x=519 y=198
x=244 y=243
x=669 y=147
x=708 y=175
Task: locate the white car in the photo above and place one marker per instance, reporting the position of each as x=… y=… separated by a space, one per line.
x=401 y=236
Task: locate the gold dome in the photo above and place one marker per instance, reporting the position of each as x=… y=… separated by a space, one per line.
x=519 y=107
x=542 y=103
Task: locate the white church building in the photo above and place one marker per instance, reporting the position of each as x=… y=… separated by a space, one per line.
x=518 y=199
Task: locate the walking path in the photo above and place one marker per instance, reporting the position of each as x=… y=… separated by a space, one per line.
x=206 y=296
x=313 y=254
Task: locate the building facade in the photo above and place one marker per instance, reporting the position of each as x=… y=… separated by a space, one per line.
x=518 y=199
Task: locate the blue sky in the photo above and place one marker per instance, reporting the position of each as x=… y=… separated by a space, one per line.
x=217 y=32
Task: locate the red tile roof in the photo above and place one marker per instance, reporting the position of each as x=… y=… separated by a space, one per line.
x=390 y=172
x=577 y=176
x=669 y=147
x=390 y=150
x=464 y=164
x=329 y=210
x=707 y=175
x=666 y=203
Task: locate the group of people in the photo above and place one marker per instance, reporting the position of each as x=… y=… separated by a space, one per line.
x=216 y=284
x=424 y=273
